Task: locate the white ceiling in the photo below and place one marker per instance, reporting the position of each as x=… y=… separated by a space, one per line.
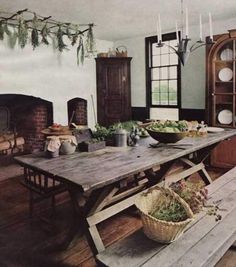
x=120 y=19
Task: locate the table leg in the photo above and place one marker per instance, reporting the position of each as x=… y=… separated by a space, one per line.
x=156 y=177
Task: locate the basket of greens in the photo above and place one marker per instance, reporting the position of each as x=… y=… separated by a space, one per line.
x=164 y=214
x=167 y=131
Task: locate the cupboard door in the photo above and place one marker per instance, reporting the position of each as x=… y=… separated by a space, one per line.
x=224 y=155
x=113 y=90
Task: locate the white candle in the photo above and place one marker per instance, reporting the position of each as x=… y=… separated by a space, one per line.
x=159 y=26
x=210 y=27
x=200 y=22
x=186 y=22
x=177 y=32
x=158 y=36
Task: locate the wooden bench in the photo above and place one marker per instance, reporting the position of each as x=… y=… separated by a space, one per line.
x=204 y=242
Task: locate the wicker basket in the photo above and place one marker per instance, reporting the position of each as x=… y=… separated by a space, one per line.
x=121 y=51
x=158 y=230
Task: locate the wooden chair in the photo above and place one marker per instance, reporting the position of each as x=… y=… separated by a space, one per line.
x=41 y=186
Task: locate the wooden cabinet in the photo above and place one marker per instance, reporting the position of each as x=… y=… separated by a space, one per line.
x=221 y=94
x=113 y=90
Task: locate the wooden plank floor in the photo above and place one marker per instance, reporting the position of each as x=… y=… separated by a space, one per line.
x=25 y=244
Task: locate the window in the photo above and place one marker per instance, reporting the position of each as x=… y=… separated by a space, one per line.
x=162 y=73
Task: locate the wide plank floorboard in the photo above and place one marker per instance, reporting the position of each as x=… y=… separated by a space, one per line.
x=25 y=244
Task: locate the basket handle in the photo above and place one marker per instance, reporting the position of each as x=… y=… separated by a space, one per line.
x=121 y=46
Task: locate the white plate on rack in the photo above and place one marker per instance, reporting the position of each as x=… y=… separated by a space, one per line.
x=225 y=74
x=225 y=116
x=214 y=129
x=226 y=54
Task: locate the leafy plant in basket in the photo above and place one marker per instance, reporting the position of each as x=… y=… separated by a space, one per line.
x=164 y=214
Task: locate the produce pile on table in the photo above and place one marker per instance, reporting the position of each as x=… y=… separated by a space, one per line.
x=168 y=126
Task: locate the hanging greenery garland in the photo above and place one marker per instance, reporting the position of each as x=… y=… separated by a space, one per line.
x=40 y=28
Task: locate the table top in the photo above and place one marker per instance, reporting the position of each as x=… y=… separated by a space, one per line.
x=96 y=169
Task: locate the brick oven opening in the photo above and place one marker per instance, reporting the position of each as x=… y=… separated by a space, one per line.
x=26 y=116
x=77 y=111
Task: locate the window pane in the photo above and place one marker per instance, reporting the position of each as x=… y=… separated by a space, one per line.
x=165 y=60
x=173 y=59
x=173 y=72
x=155 y=99
x=155 y=49
x=164 y=99
x=164 y=86
x=173 y=86
x=156 y=74
x=155 y=86
x=173 y=99
x=164 y=49
x=156 y=61
x=164 y=73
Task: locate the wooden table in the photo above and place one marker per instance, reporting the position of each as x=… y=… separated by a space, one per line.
x=109 y=180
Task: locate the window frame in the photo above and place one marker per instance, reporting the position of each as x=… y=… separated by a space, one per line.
x=149 y=41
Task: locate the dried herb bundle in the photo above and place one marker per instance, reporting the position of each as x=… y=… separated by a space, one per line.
x=45 y=33
x=12 y=38
x=80 y=51
x=6 y=30
x=22 y=32
x=90 y=40
x=61 y=44
x=1 y=31
x=34 y=33
x=68 y=32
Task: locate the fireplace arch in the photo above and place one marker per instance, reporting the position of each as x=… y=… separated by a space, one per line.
x=29 y=115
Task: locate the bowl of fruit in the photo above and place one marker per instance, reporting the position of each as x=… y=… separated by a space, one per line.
x=55 y=127
x=167 y=131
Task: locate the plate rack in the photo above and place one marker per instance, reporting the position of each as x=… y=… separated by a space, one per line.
x=221 y=94
x=221 y=72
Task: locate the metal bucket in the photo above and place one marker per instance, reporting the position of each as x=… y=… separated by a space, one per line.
x=120 y=138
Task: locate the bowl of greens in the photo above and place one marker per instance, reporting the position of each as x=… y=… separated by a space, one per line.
x=167 y=131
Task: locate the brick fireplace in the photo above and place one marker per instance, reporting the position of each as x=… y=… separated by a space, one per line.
x=77 y=111
x=28 y=116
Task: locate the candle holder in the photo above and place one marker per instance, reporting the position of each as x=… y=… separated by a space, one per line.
x=182 y=49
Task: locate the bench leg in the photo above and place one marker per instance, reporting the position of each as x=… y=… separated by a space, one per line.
x=96 y=238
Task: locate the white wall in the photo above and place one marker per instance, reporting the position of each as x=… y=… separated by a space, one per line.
x=193 y=73
x=50 y=75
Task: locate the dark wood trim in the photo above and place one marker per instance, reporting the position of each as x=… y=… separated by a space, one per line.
x=192 y=114
x=148 y=74
x=140 y=113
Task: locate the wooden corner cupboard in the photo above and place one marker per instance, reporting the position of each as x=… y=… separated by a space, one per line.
x=221 y=94
x=113 y=90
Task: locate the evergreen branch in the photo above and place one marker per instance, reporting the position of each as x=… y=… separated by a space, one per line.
x=1 y=31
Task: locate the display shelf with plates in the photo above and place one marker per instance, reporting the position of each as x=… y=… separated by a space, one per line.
x=221 y=92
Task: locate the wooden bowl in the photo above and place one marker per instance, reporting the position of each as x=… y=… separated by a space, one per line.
x=163 y=137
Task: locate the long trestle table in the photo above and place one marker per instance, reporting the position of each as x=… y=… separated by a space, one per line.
x=107 y=181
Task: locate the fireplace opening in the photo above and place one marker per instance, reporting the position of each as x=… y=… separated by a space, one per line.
x=77 y=111
x=26 y=116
